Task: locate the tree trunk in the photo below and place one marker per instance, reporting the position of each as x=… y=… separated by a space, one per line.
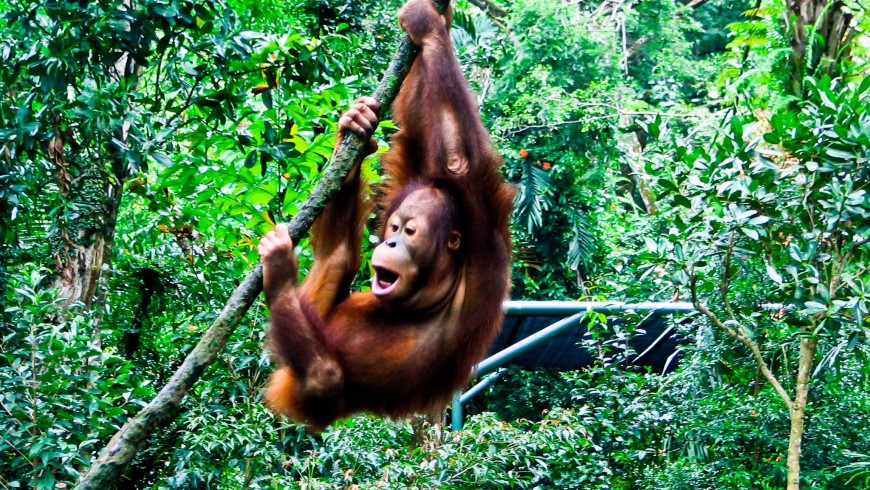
x=85 y=236
x=798 y=410
x=821 y=34
x=84 y=239
x=832 y=23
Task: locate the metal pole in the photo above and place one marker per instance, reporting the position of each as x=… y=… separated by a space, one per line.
x=504 y=356
x=482 y=385
x=577 y=310
x=456 y=411
x=545 y=308
x=459 y=398
x=498 y=360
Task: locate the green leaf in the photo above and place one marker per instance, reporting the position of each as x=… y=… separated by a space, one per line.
x=654 y=127
x=773 y=274
x=258 y=196
x=737 y=128
x=269 y=133
x=795 y=252
x=681 y=200
x=668 y=185
x=840 y=154
x=251 y=159
x=162 y=159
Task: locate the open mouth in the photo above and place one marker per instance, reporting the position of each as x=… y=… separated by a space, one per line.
x=384 y=281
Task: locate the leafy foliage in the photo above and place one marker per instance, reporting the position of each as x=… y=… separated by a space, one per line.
x=798 y=211
x=61 y=396
x=654 y=146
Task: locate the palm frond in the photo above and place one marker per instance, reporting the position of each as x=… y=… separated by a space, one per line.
x=583 y=244
x=531 y=200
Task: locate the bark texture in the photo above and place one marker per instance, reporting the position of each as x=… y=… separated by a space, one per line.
x=124 y=445
x=798 y=410
x=831 y=22
x=821 y=36
x=83 y=240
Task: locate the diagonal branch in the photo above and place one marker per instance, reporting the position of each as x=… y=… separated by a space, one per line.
x=725 y=283
x=743 y=339
x=494 y=12
x=489 y=7
x=124 y=445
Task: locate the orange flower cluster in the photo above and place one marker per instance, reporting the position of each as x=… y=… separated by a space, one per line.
x=524 y=153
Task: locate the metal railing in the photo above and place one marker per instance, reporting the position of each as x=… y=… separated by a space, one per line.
x=574 y=312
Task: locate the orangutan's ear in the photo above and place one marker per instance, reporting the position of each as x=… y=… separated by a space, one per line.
x=454 y=241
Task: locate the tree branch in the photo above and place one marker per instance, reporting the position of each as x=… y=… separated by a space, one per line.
x=619 y=112
x=492 y=10
x=837 y=271
x=756 y=351
x=696 y=3
x=725 y=283
x=124 y=445
x=489 y=7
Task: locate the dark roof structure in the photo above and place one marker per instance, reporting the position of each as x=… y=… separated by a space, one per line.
x=549 y=335
x=652 y=340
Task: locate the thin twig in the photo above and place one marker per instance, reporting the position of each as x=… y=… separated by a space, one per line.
x=489 y=7
x=492 y=11
x=725 y=283
x=756 y=351
x=844 y=260
x=619 y=113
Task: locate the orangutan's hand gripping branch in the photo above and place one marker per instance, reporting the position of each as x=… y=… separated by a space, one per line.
x=441 y=270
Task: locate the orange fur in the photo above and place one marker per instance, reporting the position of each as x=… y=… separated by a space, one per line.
x=282 y=392
x=342 y=353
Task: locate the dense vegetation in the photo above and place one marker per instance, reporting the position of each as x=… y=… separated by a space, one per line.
x=713 y=151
